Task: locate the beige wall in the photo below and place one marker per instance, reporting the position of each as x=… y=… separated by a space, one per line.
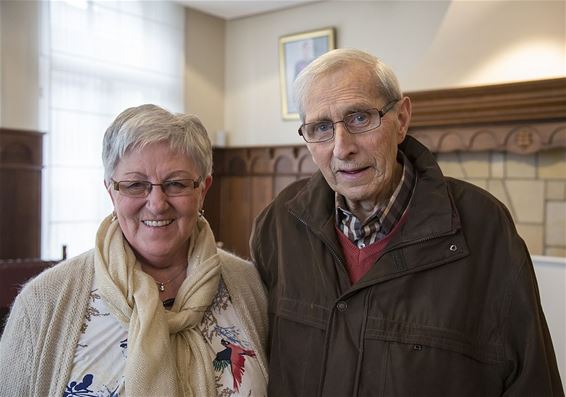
x=19 y=72
x=430 y=44
x=204 y=69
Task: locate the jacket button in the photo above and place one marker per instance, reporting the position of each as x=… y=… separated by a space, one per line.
x=453 y=247
x=342 y=306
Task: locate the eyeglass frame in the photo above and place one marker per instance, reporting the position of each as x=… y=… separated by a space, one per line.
x=381 y=112
x=149 y=186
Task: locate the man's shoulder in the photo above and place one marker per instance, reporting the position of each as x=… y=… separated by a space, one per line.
x=463 y=190
x=297 y=196
x=476 y=202
x=290 y=191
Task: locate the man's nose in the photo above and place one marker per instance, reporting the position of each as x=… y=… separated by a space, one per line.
x=344 y=142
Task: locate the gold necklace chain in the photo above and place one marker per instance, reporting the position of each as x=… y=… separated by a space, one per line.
x=161 y=285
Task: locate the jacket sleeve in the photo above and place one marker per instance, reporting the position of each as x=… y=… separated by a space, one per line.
x=527 y=341
x=16 y=353
x=260 y=246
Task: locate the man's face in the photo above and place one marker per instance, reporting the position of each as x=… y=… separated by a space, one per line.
x=361 y=167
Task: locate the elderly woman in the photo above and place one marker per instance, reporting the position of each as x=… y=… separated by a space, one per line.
x=155 y=309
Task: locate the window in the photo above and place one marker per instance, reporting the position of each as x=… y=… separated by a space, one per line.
x=100 y=58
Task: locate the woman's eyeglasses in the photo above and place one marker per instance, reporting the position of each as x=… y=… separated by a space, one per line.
x=172 y=188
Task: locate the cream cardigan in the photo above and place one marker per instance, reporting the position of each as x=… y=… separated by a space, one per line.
x=38 y=344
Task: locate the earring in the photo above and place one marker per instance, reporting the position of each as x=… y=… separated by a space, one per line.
x=201 y=213
x=114 y=216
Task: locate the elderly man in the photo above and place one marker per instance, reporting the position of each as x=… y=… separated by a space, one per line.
x=386 y=278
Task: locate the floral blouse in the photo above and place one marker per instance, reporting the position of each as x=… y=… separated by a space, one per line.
x=102 y=350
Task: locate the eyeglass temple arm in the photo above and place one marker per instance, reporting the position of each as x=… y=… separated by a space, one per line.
x=197 y=182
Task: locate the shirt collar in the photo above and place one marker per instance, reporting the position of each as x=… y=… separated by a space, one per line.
x=384 y=216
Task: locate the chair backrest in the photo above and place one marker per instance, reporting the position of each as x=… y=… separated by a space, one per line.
x=14 y=273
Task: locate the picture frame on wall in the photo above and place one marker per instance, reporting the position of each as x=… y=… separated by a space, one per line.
x=296 y=51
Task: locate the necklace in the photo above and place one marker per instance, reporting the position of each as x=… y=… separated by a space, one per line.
x=161 y=284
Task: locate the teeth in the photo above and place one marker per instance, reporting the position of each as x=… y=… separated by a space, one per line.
x=157 y=223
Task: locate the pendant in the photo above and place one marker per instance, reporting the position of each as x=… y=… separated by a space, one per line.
x=161 y=287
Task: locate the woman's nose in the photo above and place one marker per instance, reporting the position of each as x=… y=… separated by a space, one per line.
x=157 y=200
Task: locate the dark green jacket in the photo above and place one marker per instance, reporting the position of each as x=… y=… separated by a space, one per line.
x=451 y=307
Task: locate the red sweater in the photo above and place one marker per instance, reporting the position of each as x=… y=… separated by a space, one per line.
x=360 y=260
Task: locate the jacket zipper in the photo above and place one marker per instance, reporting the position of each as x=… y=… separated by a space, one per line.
x=327 y=333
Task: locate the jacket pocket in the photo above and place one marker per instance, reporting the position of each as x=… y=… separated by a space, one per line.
x=419 y=360
x=298 y=329
x=306 y=313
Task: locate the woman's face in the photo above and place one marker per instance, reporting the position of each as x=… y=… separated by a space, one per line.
x=158 y=227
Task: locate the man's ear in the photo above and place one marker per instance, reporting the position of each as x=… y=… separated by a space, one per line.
x=403 y=118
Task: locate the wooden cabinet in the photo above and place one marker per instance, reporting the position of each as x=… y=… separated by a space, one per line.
x=20 y=193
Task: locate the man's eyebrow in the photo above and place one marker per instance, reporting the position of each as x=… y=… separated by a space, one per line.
x=356 y=107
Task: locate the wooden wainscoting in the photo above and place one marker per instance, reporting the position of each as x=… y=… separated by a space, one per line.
x=245 y=181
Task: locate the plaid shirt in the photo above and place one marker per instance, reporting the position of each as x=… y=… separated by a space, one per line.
x=383 y=218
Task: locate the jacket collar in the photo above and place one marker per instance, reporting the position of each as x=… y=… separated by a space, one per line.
x=431 y=211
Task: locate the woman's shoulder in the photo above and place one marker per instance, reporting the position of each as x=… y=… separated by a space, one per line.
x=238 y=270
x=77 y=266
x=228 y=258
x=59 y=278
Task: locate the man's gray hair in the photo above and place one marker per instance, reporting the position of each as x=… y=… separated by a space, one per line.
x=143 y=125
x=387 y=84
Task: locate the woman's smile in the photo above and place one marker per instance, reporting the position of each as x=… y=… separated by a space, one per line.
x=157 y=223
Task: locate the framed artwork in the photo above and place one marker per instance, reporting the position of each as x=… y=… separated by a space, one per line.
x=295 y=52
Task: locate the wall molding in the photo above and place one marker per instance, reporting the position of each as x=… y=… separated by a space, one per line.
x=523 y=117
x=522 y=138
x=527 y=101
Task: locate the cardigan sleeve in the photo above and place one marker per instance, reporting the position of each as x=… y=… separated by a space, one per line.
x=35 y=358
x=16 y=352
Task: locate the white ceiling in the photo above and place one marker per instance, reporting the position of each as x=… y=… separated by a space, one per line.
x=232 y=9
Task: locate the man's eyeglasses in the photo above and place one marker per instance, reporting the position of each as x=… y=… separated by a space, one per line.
x=355 y=123
x=172 y=188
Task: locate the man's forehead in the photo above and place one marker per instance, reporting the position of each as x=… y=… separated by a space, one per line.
x=340 y=93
